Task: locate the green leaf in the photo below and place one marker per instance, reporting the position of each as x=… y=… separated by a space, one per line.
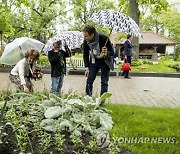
x=49 y=125
x=75 y=102
x=2 y=112
x=78 y=118
x=77 y=133
x=53 y=112
x=65 y=125
x=105 y=121
x=100 y=101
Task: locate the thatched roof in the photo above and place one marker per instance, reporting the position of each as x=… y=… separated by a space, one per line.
x=148 y=38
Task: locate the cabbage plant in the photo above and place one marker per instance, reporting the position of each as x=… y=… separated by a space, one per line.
x=76 y=114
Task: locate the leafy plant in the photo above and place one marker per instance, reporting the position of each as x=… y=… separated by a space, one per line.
x=5 y=135
x=76 y=114
x=48 y=119
x=59 y=141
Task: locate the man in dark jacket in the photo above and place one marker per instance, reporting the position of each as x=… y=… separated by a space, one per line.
x=57 y=58
x=127 y=53
x=98 y=55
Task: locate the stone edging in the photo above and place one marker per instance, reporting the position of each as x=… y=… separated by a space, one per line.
x=113 y=73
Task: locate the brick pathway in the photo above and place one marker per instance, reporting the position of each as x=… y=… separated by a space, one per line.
x=144 y=91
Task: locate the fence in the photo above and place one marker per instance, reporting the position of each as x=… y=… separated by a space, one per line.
x=79 y=63
x=76 y=62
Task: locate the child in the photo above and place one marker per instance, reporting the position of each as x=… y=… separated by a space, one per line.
x=57 y=59
x=126 y=68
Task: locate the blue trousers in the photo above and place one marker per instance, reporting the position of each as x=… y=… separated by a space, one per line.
x=93 y=70
x=56 y=84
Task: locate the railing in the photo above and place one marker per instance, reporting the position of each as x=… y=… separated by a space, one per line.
x=79 y=63
x=76 y=62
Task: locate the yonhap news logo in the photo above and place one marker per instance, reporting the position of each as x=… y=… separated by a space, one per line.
x=102 y=139
x=161 y=140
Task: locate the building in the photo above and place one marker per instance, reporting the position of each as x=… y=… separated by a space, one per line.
x=149 y=45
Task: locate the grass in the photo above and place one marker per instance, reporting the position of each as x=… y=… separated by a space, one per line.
x=153 y=68
x=140 y=122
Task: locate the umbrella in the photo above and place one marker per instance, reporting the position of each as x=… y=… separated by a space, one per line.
x=15 y=50
x=116 y=21
x=72 y=38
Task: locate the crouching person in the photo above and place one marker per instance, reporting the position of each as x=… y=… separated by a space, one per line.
x=22 y=73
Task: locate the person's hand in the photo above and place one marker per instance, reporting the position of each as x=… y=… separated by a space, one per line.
x=25 y=89
x=103 y=52
x=56 y=50
x=102 y=55
x=125 y=57
x=86 y=72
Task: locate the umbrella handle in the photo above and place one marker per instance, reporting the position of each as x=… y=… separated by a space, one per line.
x=108 y=37
x=69 y=52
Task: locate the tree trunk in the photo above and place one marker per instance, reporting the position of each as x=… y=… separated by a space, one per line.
x=134 y=14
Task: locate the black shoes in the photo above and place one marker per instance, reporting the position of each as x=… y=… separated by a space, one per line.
x=127 y=77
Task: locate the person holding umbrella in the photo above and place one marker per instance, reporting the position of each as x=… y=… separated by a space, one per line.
x=57 y=59
x=22 y=73
x=98 y=55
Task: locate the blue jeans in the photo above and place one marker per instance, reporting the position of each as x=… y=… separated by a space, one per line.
x=56 y=84
x=93 y=70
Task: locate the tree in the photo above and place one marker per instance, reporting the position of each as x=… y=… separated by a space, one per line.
x=135 y=12
x=32 y=18
x=171 y=20
x=83 y=9
x=38 y=20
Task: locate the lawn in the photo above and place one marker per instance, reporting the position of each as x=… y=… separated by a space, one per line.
x=146 y=122
x=153 y=68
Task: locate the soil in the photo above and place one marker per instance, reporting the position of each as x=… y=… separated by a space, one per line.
x=69 y=148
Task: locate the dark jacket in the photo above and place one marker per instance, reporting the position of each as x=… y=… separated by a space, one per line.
x=127 y=48
x=110 y=53
x=58 y=62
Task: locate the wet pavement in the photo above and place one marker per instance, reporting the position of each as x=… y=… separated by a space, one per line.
x=143 y=91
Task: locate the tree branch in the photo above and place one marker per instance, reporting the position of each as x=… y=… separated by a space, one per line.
x=37 y=12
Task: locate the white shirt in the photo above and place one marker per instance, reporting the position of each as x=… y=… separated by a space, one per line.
x=22 y=69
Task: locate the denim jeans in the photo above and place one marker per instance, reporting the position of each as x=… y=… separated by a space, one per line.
x=56 y=84
x=93 y=70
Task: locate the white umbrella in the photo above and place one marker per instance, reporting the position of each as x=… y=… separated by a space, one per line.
x=116 y=21
x=15 y=50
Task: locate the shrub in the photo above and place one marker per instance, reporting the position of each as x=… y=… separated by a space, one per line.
x=169 y=63
x=43 y=62
x=147 y=62
x=78 y=55
x=136 y=63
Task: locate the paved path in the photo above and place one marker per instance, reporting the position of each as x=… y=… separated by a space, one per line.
x=144 y=91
